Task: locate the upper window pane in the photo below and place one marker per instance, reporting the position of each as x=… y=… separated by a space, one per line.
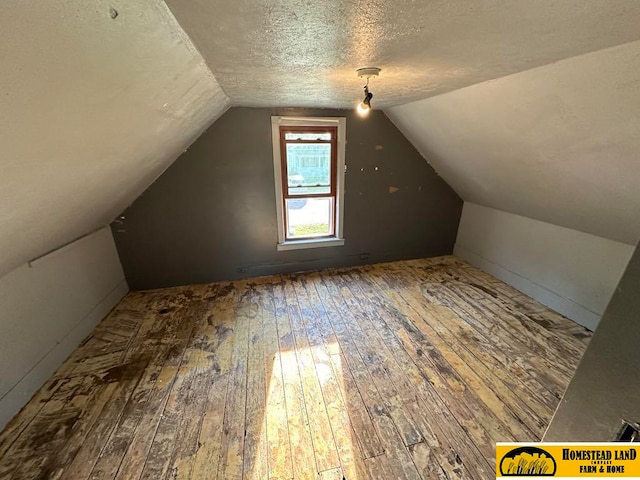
x=308 y=168
x=307 y=136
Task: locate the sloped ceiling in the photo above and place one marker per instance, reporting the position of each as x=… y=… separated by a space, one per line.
x=304 y=53
x=559 y=143
x=96 y=99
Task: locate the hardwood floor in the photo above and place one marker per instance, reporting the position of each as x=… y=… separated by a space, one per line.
x=401 y=370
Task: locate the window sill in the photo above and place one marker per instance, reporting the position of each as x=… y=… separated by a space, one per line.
x=310 y=243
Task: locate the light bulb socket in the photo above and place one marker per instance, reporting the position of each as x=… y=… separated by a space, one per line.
x=367 y=96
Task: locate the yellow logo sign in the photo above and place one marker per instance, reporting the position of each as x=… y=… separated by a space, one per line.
x=527 y=462
x=570 y=460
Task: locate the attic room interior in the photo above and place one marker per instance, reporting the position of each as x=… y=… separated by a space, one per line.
x=230 y=253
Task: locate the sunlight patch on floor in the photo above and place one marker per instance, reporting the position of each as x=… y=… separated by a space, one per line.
x=289 y=389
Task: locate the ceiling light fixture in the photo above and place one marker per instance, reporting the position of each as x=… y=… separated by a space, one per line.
x=369 y=72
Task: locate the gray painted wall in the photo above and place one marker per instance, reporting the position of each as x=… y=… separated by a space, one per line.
x=211 y=216
x=606 y=386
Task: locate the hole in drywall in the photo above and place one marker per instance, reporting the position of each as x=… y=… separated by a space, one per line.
x=113 y=12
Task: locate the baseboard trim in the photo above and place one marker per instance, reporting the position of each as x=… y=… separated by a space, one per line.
x=567 y=307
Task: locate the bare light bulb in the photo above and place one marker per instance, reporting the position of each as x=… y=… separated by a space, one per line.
x=363 y=109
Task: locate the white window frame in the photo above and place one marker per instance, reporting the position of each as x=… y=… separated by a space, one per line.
x=340 y=122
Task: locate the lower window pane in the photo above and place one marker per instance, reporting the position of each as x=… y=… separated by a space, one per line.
x=309 y=217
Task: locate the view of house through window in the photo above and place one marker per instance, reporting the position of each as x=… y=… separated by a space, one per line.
x=309 y=166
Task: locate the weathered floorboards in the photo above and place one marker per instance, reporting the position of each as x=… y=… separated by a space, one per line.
x=408 y=370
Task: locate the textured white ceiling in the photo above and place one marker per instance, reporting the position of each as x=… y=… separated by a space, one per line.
x=304 y=52
x=92 y=110
x=559 y=143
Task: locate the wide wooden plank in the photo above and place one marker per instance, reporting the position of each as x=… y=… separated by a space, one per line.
x=256 y=465
x=219 y=337
x=278 y=444
x=231 y=462
x=300 y=437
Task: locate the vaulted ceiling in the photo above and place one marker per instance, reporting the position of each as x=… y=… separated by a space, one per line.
x=97 y=99
x=558 y=143
x=530 y=107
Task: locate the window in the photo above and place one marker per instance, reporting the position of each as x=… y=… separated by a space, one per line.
x=308 y=159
